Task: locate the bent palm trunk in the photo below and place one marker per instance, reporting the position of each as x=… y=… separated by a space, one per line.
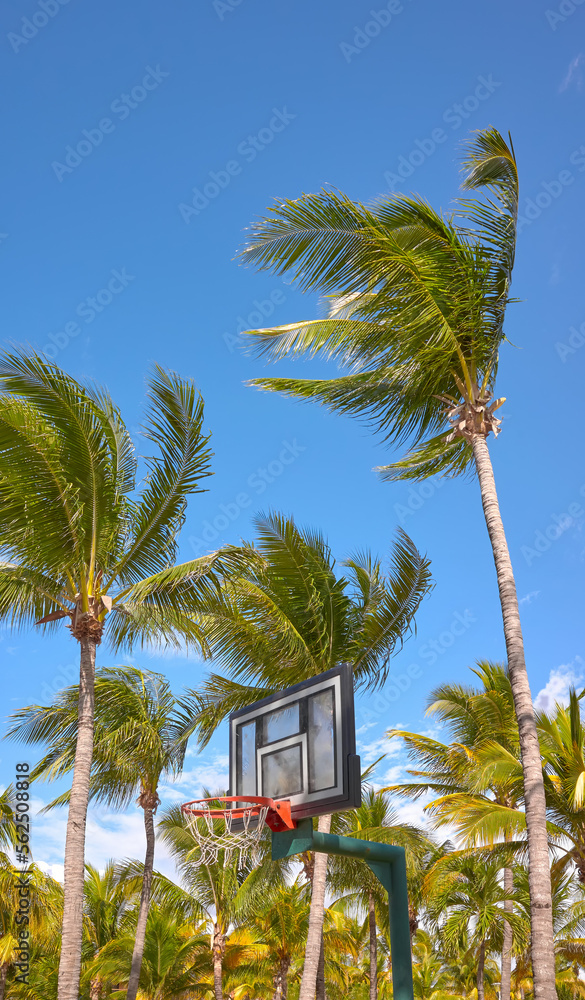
x=148 y=803
x=542 y=945
x=315 y=934
x=71 y=936
x=373 y=949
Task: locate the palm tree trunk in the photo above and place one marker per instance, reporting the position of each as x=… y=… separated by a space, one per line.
x=280 y=981
x=320 y=990
x=71 y=935
x=373 y=949
x=542 y=941
x=506 y=976
x=218 y=949
x=3 y=975
x=144 y=905
x=412 y=921
x=480 y=972
x=315 y=934
x=95 y=988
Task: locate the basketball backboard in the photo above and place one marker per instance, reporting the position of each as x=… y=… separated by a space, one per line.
x=299 y=745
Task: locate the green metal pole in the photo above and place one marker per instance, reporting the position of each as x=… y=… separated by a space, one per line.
x=388 y=863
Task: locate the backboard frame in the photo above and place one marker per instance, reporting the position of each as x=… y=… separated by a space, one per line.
x=345 y=793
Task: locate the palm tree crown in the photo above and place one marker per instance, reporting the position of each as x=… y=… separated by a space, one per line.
x=80 y=546
x=292 y=617
x=417 y=306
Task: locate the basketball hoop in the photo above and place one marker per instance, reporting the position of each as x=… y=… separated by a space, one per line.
x=234 y=824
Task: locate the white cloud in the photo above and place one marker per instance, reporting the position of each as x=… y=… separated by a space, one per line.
x=394 y=775
x=557 y=687
x=55 y=871
x=412 y=813
x=363 y=729
x=212 y=773
x=369 y=752
x=574 y=74
x=529 y=598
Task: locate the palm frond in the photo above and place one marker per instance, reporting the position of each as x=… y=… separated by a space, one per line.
x=175 y=425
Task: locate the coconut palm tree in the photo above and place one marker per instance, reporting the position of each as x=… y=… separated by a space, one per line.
x=374 y=820
x=108 y=899
x=135 y=746
x=44 y=903
x=430 y=975
x=569 y=924
x=223 y=892
x=562 y=740
x=347 y=963
x=281 y=926
x=482 y=807
x=79 y=546
x=417 y=311
x=465 y=903
x=292 y=617
x=175 y=963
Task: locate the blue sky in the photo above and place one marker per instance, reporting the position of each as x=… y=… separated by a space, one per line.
x=110 y=261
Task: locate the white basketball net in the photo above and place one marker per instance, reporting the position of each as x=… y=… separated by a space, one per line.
x=213 y=835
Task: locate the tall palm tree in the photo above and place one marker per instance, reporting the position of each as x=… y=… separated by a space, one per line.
x=374 y=820
x=417 y=311
x=292 y=617
x=135 y=745
x=480 y=805
x=81 y=548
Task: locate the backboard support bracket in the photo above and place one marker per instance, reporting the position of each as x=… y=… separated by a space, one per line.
x=388 y=863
